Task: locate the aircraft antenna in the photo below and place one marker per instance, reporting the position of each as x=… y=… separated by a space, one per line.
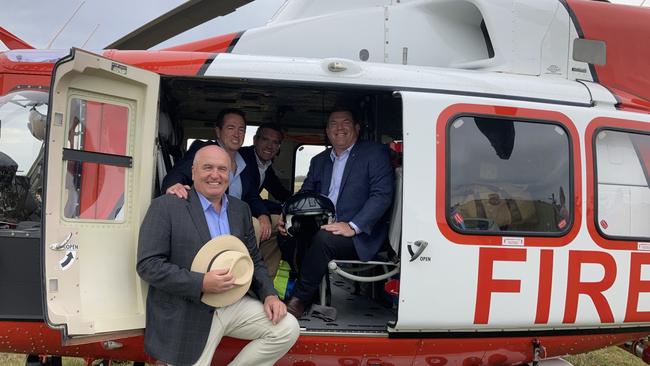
x=90 y=36
x=65 y=25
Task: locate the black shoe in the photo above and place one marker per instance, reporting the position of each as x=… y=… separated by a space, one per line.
x=295 y=307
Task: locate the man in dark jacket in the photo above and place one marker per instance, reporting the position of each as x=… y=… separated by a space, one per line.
x=357 y=177
x=180 y=329
x=258 y=175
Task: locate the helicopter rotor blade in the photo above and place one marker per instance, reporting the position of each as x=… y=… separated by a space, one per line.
x=186 y=16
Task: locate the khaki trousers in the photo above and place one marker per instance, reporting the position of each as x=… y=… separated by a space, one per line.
x=269 y=248
x=246 y=319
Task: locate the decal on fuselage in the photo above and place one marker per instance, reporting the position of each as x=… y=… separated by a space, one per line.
x=68 y=260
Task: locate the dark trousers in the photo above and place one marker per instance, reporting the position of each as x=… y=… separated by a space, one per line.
x=324 y=247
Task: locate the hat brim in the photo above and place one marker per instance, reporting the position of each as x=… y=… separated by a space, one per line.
x=203 y=260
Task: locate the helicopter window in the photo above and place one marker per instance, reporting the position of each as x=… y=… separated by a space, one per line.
x=623 y=200
x=22 y=131
x=95 y=182
x=508 y=176
x=302 y=157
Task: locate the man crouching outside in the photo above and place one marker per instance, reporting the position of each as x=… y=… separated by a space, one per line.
x=180 y=329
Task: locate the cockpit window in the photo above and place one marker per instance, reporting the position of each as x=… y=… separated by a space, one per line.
x=22 y=131
x=508 y=176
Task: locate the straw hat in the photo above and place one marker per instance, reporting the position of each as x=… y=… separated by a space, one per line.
x=225 y=251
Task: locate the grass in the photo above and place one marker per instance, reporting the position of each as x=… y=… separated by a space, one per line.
x=12 y=359
x=612 y=356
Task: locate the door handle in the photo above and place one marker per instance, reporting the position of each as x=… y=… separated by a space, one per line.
x=420 y=245
x=61 y=245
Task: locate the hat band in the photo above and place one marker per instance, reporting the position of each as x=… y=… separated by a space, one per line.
x=214 y=259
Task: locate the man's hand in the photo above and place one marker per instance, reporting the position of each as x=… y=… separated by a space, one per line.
x=179 y=190
x=281 y=228
x=218 y=281
x=340 y=228
x=275 y=309
x=265 y=227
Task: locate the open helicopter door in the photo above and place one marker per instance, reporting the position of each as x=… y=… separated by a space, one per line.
x=100 y=154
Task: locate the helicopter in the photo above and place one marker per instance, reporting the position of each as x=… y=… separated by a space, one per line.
x=521 y=136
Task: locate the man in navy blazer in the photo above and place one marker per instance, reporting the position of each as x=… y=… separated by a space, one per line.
x=259 y=174
x=357 y=176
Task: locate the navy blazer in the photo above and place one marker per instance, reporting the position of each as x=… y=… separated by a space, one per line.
x=366 y=192
x=182 y=170
x=250 y=178
x=172 y=232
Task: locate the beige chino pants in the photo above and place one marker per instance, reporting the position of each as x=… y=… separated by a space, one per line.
x=269 y=249
x=246 y=319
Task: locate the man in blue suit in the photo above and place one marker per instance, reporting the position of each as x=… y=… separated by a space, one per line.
x=357 y=176
x=259 y=174
x=230 y=130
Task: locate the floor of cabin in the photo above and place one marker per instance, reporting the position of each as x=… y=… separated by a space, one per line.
x=356 y=310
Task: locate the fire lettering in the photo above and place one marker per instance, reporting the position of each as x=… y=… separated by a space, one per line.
x=637 y=285
x=487 y=284
x=545 y=286
x=594 y=290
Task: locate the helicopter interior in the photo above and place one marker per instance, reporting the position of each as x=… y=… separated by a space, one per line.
x=189 y=107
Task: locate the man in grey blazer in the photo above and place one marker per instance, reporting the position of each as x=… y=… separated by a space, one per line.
x=180 y=329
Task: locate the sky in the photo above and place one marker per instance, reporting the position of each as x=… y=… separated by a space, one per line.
x=97 y=23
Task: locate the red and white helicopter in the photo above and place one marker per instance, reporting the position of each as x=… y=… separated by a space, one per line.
x=521 y=130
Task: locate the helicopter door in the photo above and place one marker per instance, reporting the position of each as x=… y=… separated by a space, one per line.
x=100 y=153
x=488 y=202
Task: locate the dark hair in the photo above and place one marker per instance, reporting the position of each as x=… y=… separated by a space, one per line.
x=346 y=108
x=224 y=112
x=271 y=126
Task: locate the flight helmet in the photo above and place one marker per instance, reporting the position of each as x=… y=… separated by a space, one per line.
x=305 y=212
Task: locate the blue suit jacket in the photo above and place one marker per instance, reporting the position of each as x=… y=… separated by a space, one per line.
x=250 y=178
x=366 y=192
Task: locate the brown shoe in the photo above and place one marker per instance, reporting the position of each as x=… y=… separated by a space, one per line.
x=295 y=307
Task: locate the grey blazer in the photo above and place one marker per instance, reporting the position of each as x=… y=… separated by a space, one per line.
x=173 y=231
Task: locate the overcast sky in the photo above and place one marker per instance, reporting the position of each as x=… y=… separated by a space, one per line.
x=38 y=21
x=98 y=23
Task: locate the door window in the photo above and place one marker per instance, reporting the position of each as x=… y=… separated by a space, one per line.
x=508 y=176
x=96 y=160
x=623 y=184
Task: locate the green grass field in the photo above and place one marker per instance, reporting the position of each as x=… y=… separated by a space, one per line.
x=12 y=359
x=612 y=356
